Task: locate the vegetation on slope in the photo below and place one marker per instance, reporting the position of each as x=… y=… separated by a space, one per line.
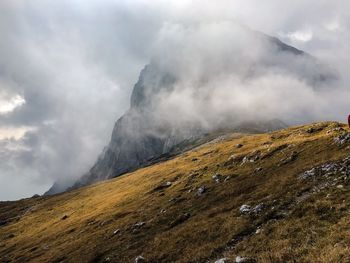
x=191 y=208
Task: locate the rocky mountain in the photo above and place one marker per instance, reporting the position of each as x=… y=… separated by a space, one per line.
x=140 y=135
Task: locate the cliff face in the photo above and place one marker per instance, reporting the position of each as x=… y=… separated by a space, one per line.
x=140 y=135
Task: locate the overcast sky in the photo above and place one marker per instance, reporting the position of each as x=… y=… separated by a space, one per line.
x=67 y=69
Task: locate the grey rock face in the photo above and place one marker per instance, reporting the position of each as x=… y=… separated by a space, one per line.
x=138 y=136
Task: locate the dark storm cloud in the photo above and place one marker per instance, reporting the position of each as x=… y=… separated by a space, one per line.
x=75 y=62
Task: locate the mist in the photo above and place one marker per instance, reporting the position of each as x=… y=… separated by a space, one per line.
x=67 y=70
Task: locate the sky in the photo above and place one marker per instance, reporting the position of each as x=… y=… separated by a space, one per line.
x=67 y=69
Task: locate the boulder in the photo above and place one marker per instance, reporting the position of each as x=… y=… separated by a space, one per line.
x=201 y=190
x=140 y=259
x=244 y=209
x=139 y=225
x=217 y=178
x=163 y=186
x=240 y=259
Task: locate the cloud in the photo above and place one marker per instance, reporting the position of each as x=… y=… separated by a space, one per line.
x=11 y=104
x=67 y=69
x=299 y=36
x=226 y=73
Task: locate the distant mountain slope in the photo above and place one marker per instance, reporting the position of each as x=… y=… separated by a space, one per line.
x=275 y=197
x=141 y=134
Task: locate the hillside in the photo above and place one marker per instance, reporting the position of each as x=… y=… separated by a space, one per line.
x=275 y=197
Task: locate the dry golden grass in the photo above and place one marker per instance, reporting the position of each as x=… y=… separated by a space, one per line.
x=316 y=229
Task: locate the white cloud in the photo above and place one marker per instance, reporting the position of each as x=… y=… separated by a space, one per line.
x=9 y=105
x=15 y=133
x=299 y=36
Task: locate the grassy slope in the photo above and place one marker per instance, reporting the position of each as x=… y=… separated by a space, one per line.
x=297 y=225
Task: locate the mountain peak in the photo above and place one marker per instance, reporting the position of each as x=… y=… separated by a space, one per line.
x=176 y=100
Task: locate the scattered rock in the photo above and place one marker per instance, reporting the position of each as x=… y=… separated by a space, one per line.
x=231 y=160
x=315 y=129
x=227 y=178
x=240 y=259
x=193 y=174
x=259 y=169
x=217 y=178
x=338 y=129
x=272 y=150
x=201 y=190
x=194 y=159
x=140 y=259
x=139 y=225
x=343 y=138
x=117 y=231
x=340 y=186
x=244 y=209
x=310 y=130
x=239 y=145
x=64 y=217
x=251 y=158
x=182 y=218
x=258 y=208
x=163 y=186
x=327 y=170
x=45 y=247
x=176 y=199
x=136 y=227
x=245 y=160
